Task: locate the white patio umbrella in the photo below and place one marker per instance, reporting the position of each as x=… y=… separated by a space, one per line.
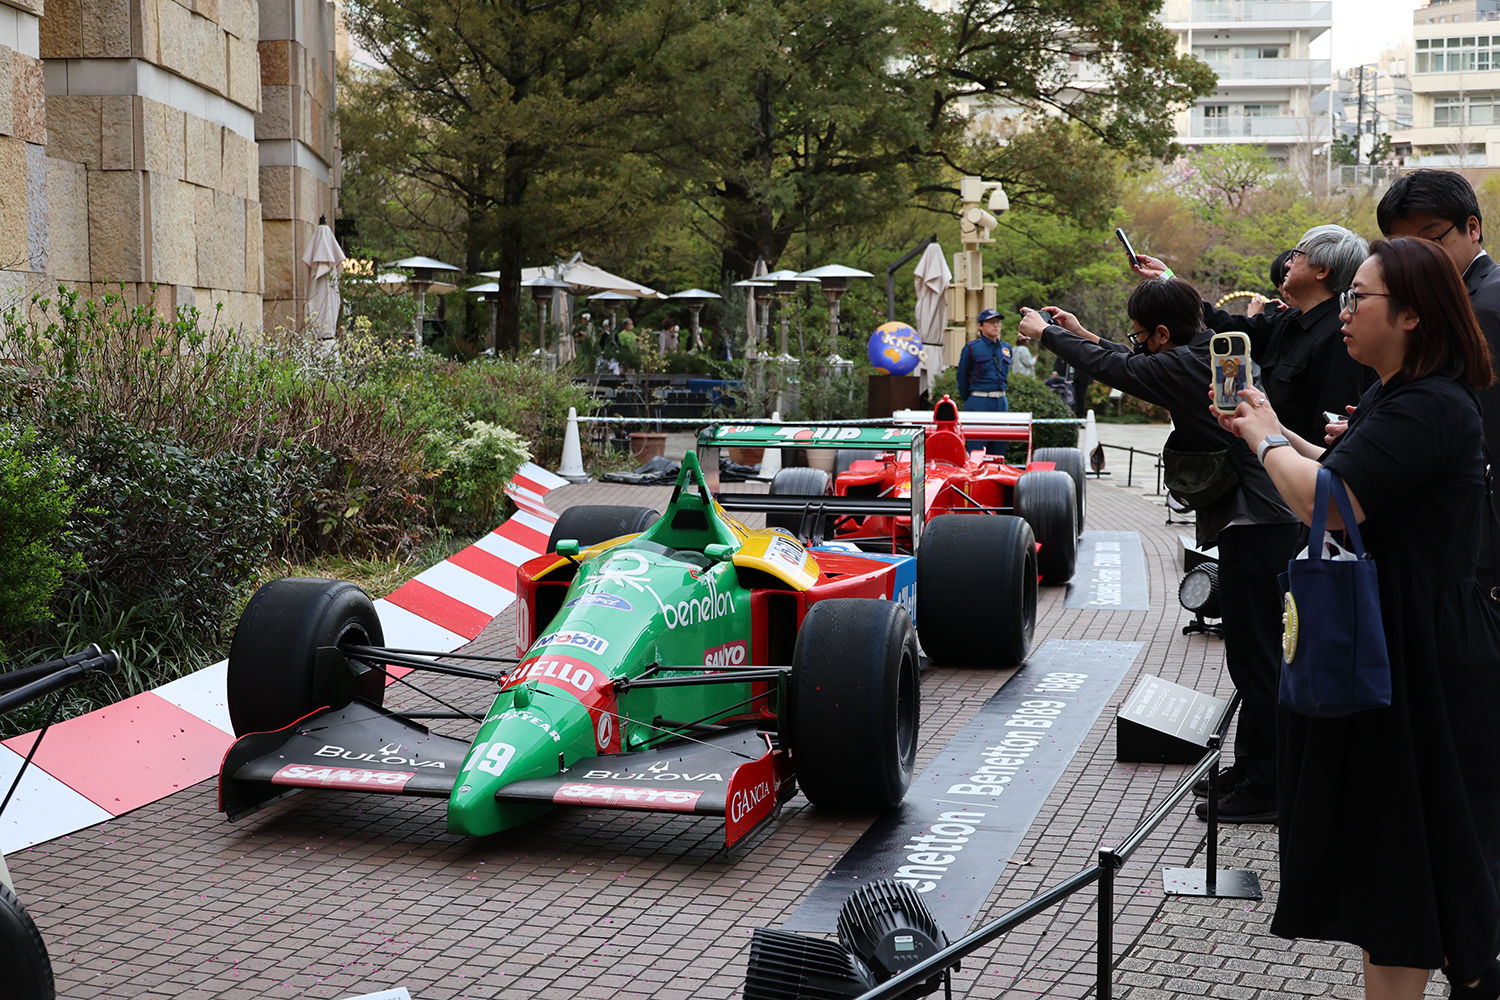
x=933 y=278
x=322 y=258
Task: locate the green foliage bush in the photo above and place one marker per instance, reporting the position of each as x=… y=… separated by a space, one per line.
x=35 y=503
x=475 y=469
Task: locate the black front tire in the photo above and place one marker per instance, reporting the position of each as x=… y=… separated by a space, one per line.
x=590 y=524
x=1045 y=500
x=855 y=704
x=976 y=589
x=276 y=675
x=1069 y=460
x=23 y=953
x=801 y=481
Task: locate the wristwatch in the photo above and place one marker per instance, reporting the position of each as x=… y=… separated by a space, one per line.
x=1268 y=442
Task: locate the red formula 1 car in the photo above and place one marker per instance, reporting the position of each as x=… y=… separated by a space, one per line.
x=892 y=484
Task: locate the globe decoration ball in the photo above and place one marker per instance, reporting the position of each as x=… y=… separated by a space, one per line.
x=895 y=349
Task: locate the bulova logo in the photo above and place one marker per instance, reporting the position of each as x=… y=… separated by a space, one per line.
x=583 y=640
x=656 y=772
x=742 y=803
x=388 y=754
x=731 y=654
x=341 y=777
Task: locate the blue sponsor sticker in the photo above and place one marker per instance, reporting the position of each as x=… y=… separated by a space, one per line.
x=600 y=601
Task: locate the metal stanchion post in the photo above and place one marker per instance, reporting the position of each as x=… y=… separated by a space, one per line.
x=1106 y=946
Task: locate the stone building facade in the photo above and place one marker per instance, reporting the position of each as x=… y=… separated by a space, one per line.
x=189 y=145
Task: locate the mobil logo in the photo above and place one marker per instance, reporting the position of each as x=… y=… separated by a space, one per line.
x=731 y=654
x=582 y=640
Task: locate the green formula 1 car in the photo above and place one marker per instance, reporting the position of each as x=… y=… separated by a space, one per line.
x=684 y=664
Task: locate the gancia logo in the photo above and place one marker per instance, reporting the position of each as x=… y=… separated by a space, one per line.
x=745 y=802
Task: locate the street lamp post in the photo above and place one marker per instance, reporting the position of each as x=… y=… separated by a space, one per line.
x=835 y=281
x=424 y=276
x=491 y=293
x=542 y=290
x=761 y=291
x=786 y=284
x=695 y=299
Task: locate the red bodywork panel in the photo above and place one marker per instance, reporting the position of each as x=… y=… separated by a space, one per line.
x=958 y=479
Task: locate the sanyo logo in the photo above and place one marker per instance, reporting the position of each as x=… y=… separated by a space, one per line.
x=731 y=654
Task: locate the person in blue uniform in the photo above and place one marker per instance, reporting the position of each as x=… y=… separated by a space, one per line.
x=984 y=370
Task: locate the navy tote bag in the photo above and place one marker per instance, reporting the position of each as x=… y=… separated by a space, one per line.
x=1333 y=655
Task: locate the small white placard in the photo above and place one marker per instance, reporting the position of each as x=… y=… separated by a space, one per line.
x=399 y=993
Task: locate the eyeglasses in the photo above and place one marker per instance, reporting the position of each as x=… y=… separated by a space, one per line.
x=1296 y=252
x=1349 y=301
x=1445 y=232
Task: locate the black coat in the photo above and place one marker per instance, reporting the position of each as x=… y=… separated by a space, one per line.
x=1483 y=282
x=1305 y=365
x=1178 y=380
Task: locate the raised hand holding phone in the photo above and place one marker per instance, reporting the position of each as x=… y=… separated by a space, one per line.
x=1229 y=357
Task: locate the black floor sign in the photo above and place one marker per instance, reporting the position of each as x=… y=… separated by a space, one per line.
x=1111 y=574
x=968 y=811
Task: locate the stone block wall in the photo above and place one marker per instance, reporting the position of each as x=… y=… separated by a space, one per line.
x=23 y=153
x=169 y=145
x=298 y=135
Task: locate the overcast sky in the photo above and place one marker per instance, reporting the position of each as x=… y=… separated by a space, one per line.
x=1361 y=28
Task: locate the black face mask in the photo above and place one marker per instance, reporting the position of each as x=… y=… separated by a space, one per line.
x=1139 y=346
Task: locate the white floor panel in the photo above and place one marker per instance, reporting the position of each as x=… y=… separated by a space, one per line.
x=471 y=588
x=404 y=630
x=42 y=808
x=204 y=694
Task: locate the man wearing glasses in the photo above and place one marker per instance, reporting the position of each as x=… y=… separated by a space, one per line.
x=1299 y=352
x=1440 y=205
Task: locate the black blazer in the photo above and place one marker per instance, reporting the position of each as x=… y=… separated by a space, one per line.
x=1178 y=380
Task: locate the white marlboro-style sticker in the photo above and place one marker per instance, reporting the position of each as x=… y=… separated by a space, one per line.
x=787 y=551
x=313 y=776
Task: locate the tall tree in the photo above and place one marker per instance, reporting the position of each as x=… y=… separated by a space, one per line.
x=516 y=113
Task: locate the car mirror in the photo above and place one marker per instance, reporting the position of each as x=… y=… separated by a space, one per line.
x=567 y=547
x=718 y=552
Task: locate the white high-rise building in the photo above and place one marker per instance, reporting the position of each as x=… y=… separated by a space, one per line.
x=1267 y=79
x=1456 y=84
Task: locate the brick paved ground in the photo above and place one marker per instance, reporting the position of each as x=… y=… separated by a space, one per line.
x=335 y=894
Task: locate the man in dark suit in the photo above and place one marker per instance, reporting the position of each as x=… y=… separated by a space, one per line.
x=1304 y=367
x=1440 y=205
x=1255 y=531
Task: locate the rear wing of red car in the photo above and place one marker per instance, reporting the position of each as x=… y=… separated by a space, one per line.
x=873 y=439
x=975 y=425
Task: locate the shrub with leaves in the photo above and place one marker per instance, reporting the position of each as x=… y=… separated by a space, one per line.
x=473 y=471
x=35 y=503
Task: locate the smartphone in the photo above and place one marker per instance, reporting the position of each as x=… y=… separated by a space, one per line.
x=1229 y=357
x=1129 y=250
x=1336 y=418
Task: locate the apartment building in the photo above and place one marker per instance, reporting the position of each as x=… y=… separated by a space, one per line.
x=1456 y=84
x=1268 y=81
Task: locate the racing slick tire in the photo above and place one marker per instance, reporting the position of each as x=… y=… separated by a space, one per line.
x=1069 y=460
x=275 y=673
x=845 y=457
x=592 y=524
x=800 y=480
x=23 y=953
x=855 y=704
x=976 y=589
x=1045 y=500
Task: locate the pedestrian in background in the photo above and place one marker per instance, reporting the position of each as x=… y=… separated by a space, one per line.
x=984 y=372
x=1390 y=817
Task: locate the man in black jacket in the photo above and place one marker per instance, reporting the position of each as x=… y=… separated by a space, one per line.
x=1305 y=367
x=1440 y=205
x=1256 y=532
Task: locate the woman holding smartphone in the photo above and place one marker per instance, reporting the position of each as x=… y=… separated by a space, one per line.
x=1390 y=818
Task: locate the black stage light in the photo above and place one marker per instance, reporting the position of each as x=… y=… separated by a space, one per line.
x=1199 y=593
x=884 y=929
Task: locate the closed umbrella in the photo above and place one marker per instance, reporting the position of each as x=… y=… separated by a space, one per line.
x=933 y=278
x=322 y=258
